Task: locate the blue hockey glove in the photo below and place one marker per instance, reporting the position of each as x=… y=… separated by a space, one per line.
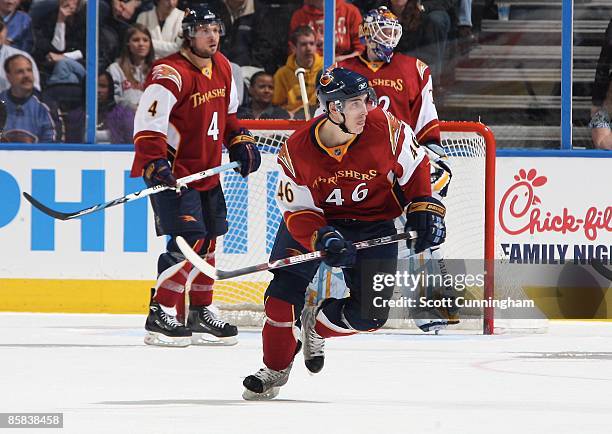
x=159 y=172
x=242 y=148
x=338 y=251
x=425 y=215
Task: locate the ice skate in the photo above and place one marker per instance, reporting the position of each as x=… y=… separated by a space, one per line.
x=313 y=344
x=207 y=329
x=265 y=384
x=163 y=329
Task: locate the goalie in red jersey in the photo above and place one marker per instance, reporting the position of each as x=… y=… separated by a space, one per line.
x=344 y=177
x=403 y=85
x=187 y=111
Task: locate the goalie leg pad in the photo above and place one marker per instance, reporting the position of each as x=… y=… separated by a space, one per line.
x=279 y=334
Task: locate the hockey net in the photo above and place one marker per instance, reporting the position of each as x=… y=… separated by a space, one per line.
x=254 y=218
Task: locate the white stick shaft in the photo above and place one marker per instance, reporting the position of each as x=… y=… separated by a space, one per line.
x=302 y=82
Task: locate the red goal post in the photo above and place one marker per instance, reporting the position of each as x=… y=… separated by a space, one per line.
x=471 y=148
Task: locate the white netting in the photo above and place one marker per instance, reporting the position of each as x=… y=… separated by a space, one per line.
x=253 y=220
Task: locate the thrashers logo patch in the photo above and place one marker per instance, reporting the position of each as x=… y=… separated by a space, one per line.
x=164 y=71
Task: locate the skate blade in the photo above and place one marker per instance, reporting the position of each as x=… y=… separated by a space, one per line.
x=249 y=395
x=205 y=339
x=161 y=340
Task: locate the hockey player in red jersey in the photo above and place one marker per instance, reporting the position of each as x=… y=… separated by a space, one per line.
x=402 y=83
x=343 y=177
x=187 y=111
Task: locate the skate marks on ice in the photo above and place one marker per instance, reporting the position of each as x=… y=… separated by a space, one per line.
x=562 y=359
x=204 y=402
x=67 y=346
x=569 y=355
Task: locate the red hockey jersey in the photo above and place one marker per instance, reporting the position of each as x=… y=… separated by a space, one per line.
x=403 y=87
x=362 y=179
x=348 y=19
x=184 y=115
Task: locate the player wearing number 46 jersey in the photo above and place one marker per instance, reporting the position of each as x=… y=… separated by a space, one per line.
x=186 y=113
x=343 y=178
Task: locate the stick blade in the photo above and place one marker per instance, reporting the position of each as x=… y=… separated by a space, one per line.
x=39 y=206
x=195 y=259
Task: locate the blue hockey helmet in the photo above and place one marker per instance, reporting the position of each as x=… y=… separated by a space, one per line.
x=197 y=15
x=339 y=84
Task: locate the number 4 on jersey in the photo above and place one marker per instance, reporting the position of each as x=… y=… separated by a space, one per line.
x=213 y=129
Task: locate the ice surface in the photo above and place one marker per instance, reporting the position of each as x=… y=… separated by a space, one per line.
x=97 y=371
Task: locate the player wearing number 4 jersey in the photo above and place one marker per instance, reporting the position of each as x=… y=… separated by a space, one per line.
x=343 y=178
x=186 y=113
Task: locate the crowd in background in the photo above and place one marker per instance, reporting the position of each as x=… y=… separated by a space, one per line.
x=266 y=41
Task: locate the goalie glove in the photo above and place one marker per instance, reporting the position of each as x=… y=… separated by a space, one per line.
x=441 y=173
x=159 y=172
x=425 y=215
x=338 y=251
x=242 y=148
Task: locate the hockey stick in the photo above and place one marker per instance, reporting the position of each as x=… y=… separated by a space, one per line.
x=604 y=271
x=217 y=274
x=299 y=73
x=130 y=197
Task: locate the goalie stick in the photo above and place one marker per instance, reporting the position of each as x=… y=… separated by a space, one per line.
x=129 y=197
x=217 y=274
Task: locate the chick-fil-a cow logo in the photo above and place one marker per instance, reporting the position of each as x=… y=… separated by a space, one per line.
x=520 y=211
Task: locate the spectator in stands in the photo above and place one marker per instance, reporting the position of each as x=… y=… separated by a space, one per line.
x=425 y=28
x=164 y=24
x=237 y=16
x=59 y=46
x=115 y=121
x=603 y=76
x=19 y=25
x=348 y=19
x=366 y=5
x=464 y=26
x=260 y=106
x=130 y=70
x=286 y=85
x=7 y=51
x=602 y=95
x=601 y=125
x=29 y=120
x=115 y=18
x=271 y=34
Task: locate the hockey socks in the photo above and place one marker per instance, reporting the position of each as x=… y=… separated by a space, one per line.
x=279 y=334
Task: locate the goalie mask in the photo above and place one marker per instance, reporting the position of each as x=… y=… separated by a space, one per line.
x=199 y=15
x=381 y=31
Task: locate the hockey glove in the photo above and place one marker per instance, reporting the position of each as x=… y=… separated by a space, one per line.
x=242 y=148
x=425 y=215
x=441 y=173
x=338 y=251
x=159 y=172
